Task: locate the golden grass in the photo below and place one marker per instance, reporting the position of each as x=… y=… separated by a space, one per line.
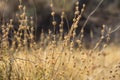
x=55 y=57
x=43 y=65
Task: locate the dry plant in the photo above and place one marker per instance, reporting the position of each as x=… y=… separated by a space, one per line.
x=55 y=56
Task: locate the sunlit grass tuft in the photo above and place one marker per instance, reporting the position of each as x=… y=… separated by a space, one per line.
x=56 y=56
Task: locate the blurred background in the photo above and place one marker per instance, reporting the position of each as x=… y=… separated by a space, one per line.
x=108 y=13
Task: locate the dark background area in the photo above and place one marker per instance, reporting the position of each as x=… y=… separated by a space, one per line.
x=108 y=13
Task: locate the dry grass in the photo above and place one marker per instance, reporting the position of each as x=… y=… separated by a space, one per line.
x=55 y=57
x=63 y=65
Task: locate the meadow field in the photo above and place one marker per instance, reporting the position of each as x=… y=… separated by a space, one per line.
x=57 y=55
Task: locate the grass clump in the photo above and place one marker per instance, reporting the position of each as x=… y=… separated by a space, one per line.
x=56 y=56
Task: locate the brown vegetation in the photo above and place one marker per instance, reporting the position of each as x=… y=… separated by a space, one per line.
x=57 y=56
